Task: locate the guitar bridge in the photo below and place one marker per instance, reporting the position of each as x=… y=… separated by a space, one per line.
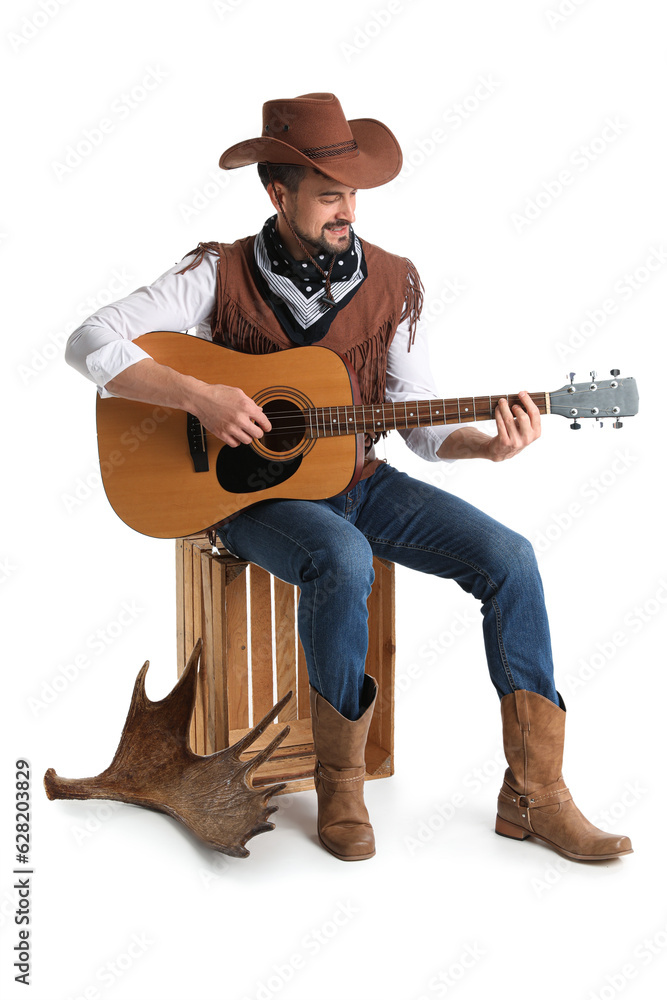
x=197 y=443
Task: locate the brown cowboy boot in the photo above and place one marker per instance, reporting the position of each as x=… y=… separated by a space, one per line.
x=343 y=825
x=534 y=800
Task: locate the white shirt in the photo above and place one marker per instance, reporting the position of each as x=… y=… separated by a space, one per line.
x=102 y=347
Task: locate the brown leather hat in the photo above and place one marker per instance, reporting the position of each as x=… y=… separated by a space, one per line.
x=312 y=130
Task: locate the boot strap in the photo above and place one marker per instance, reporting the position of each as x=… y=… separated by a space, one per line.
x=334 y=779
x=545 y=796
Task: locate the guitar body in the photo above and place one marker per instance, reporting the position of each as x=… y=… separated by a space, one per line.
x=149 y=462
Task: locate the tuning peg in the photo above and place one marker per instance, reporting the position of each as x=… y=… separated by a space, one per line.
x=594 y=375
x=572 y=374
x=615 y=372
x=617 y=424
x=575 y=426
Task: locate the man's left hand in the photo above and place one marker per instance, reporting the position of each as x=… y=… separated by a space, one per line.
x=517 y=428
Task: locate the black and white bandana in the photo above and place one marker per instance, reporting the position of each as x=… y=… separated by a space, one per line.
x=295 y=288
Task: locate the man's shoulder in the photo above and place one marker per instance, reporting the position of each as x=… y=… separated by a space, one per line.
x=213 y=249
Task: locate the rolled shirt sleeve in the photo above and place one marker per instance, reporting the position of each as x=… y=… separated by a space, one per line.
x=409 y=377
x=103 y=346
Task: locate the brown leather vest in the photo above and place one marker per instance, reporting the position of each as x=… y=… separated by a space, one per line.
x=361 y=332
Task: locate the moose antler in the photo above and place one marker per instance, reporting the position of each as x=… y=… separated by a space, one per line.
x=155 y=767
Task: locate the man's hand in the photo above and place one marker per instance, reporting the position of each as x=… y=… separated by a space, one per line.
x=229 y=414
x=517 y=428
x=224 y=410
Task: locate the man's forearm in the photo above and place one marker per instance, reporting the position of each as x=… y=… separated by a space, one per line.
x=517 y=427
x=465 y=442
x=224 y=410
x=150 y=382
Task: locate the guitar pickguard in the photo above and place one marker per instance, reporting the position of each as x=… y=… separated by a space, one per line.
x=242 y=470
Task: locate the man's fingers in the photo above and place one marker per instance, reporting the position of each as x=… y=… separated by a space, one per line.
x=261 y=421
x=504 y=420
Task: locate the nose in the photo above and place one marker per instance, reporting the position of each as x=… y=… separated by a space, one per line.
x=346 y=209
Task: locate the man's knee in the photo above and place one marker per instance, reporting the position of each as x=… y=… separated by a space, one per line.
x=518 y=553
x=343 y=565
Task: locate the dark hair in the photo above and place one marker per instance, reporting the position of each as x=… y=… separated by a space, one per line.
x=289 y=174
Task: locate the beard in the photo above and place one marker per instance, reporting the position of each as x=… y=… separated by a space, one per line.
x=323 y=244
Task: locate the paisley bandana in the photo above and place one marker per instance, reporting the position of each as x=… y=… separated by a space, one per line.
x=295 y=289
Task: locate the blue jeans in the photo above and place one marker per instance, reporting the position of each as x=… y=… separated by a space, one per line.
x=326 y=548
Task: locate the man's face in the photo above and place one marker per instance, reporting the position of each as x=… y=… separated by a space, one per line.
x=321 y=212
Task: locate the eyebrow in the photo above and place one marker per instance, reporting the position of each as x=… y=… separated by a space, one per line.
x=321 y=193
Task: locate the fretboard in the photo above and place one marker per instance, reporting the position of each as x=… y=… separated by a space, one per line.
x=326 y=421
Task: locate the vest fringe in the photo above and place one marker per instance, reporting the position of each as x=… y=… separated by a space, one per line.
x=368 y=360
x=414 y=300
x=239 y=333
x=199 y=252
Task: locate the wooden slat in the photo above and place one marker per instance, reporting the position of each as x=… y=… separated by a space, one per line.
x=285 y=637
x=236 y=652
x=380 y=662
x=199 y=714
x=261 y=642
x=219 y=644
x=207 y=662
x=181 y=658
x=188 y=625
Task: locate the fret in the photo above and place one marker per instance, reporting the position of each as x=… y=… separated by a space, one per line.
x=372 y=419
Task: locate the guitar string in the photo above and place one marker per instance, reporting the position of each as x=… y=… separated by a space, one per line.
x=454 y=402
x=418 y=404
x=360 y=409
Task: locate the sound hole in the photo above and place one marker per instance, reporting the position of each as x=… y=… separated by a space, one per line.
x=288 y=426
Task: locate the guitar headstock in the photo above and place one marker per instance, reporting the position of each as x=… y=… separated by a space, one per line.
x=616 y=397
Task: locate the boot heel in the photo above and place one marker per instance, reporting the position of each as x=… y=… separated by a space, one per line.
x=506 y=829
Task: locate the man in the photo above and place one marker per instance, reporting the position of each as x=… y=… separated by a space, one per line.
x=307 y=278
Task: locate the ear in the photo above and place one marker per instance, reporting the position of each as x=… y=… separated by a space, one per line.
x=282 y=194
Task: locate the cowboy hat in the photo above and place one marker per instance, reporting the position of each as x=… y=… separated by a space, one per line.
x=311 y=130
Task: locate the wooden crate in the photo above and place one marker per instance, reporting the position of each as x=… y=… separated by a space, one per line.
x=252 y=656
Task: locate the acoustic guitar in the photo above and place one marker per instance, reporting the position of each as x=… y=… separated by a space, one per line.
x=165 y=476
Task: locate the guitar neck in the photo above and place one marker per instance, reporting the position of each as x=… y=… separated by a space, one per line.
x=327 y=421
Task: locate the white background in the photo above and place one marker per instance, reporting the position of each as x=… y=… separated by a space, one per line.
x=491 y=102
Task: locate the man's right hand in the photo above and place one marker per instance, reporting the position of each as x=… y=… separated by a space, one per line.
x=224 y=410
x=229 y=414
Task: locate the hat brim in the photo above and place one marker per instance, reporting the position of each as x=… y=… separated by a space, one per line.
x=377 y=160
